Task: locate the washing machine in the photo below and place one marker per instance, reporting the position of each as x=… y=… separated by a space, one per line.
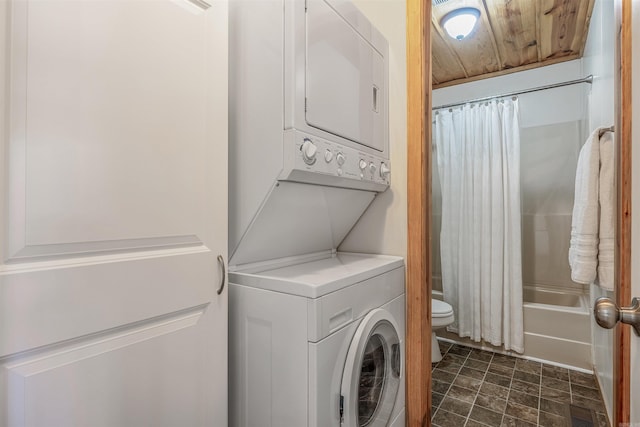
x=318 y=341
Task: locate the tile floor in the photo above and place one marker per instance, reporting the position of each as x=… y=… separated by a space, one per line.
x=480 y=388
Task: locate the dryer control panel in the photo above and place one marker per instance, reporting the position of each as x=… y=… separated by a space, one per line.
x=315 y=160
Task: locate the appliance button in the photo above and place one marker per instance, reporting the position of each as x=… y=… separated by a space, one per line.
x=362 y=164
x=340 y=158
x=372 y=168
x=309 y=151
x=328 y=156
x=384 y=170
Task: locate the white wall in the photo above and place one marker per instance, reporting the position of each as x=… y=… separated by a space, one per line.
x=383 y=227
x=598 y=60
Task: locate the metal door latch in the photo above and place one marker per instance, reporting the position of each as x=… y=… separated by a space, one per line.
x=607 y=313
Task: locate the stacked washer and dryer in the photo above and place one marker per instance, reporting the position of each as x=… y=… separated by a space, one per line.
x=316 y=336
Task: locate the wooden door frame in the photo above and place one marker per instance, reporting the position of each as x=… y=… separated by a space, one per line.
x=623 y=95
x=418 y=292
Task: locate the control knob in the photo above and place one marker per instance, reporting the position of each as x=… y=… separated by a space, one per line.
x=309 y=151
x=384 y=170
x=362 y=164
x=372 y=168
x=328 y=156
x=340 y=158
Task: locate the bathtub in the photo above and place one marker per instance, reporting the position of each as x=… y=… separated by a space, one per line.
x=557 y=327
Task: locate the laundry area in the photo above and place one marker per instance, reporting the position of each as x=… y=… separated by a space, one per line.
x=316 y=335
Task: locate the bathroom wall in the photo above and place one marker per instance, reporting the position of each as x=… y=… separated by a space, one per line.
x=552 y=132
x=383 y=227
x=599 y=60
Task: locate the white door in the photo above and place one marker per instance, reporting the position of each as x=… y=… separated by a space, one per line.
x=113 y=126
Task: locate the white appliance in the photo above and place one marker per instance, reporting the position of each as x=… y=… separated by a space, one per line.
x=308 y=152
x=308 y=104
x=318 y=341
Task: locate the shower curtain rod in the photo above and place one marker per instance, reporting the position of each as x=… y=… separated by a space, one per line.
x=588 y=79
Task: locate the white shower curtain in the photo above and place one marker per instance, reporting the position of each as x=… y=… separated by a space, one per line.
x=478 y=155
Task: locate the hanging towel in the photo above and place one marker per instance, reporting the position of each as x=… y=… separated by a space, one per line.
x=607 y=199
x=583 y=247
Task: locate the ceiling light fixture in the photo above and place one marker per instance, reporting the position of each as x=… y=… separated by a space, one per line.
x=460 y=22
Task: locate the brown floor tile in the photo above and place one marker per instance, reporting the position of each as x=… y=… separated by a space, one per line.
x=522 y=412
x=514 y=422
x=463 y=394
x=439 y=386
x=491 y=402
x=449 y=366
x=601 y=420
x=583 y=402
x=467 y=382
x=482 y=355
x=551 y=420
x=556 y=384
x=473 y=373
x=552 y=407
x=455 y=406
x=525 y=387
x=589 y=393
x=476 y=388
x=529 y=366
x=440 y=375
x=501 y=359
x=498 y=380
x=473 y=423
x=555 y=395
x=500 y=370
x=447 y=419
x=485 y=416
x=586 y=380
x=476 y=364
x=459 y=350
x=523 y=399
x=436 y=399
x=444 y=346
x=494 y=390
x=526 y=376
x=454 y=358
x=555 y=372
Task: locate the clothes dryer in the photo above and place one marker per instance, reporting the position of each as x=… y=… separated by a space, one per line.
x=318 y=341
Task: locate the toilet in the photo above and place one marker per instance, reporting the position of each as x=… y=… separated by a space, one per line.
x=441 y=316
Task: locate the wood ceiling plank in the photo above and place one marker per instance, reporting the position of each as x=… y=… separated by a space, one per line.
x=538 y=31
x=563 y=24
x=514 y=26
x=445 y=64
x=503 y=72
x=512 y=35
x=476 y=52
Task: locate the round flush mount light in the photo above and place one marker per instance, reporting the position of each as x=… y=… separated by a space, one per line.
x=460 y=22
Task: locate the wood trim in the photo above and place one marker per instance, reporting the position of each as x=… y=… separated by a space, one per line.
x=507 y=71
x=418 y=293
x=622 y=335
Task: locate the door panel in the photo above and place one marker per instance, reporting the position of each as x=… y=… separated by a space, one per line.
x=114 y=211
x=345 y=79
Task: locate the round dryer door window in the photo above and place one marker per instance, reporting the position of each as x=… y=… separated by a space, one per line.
x=371 y=375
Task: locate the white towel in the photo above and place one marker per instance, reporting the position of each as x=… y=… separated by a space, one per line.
x=607 y=198
x=583 y=249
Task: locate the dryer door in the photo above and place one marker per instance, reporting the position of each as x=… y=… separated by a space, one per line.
x=345 y=79
x=372 y=372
